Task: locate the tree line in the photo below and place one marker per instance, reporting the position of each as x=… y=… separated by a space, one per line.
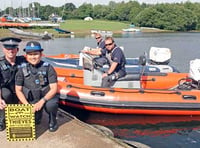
x=175 y=16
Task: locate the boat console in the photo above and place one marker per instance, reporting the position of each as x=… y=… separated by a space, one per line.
x=93 y=76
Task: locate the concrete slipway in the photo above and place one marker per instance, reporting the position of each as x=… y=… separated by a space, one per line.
x=72 y=133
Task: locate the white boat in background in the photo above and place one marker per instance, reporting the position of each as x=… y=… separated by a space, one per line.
x=131 y=30
x=102 y=32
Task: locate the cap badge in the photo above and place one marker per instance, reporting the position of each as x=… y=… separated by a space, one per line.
x=32 y=45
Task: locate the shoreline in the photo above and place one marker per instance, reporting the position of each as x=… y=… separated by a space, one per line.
x=5 y=32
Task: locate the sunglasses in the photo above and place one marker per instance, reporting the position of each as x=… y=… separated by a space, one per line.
x=109 y=44
x=97 y=38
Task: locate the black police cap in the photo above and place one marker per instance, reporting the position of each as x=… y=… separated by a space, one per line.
x=10 y=42
x=33 y=46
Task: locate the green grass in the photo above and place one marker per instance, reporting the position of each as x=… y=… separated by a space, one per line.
x=84 y=26
x=81 y=27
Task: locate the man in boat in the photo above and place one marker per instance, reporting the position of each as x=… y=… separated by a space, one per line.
x=9 y=64
x=116 y=60
x=100 y=51
x=36 y=83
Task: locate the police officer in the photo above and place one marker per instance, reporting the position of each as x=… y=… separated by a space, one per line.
x=100 y=51
x=36 y=83
x=117 y=62
x=9 y=64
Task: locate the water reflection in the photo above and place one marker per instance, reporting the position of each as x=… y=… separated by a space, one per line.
x=129 y=34
x=154 y=131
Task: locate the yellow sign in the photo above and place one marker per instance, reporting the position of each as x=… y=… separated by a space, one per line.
x=20 y=122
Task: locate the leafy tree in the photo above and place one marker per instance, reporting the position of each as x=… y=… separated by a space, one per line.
x=176 y=16
x=195 y=8
x=67 y=10
x=84 y=11
x=147 y=17
x=134 y=11
x=170 y=17
x=100 y=11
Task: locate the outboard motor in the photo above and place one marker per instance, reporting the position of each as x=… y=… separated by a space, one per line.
x=194 y=72
x=159 y=56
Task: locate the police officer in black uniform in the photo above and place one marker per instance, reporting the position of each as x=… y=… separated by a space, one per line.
x=9 y=64
x=36 y=83
x=100 y=51
x=116 y=60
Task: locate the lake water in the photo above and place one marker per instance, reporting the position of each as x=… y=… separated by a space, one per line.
x=154 y=131
x=184 y=46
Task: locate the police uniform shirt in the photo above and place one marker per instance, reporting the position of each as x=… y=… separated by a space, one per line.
x=51 y=75
x=102 y=45
x=10 y=70
x=118 y=57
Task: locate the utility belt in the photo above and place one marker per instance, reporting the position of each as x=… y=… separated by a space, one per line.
x=34 y=95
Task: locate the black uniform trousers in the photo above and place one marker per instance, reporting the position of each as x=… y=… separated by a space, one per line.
x=10 y=98
x=110 y=80
x=51 y=107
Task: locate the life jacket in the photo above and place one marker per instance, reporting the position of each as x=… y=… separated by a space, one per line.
x=109 y=57
x=100 y=43
x=35 y=83
x=120 y=69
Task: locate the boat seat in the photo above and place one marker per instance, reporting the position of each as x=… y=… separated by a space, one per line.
x=130 y=77
x=128 y=81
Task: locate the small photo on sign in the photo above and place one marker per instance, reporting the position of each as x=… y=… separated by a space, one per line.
x=20 y=122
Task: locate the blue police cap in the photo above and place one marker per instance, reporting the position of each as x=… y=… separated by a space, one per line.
x=33 y=46
x=10 y=42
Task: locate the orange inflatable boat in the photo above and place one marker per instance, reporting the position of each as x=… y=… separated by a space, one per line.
x=130 y=101
x=137 y=93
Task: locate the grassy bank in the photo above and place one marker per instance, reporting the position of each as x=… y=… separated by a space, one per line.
x=84 y=27
x=81 y=27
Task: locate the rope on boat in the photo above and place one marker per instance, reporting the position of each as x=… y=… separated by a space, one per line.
x=158 y=91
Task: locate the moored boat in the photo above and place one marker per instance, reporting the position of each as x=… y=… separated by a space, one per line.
x=34 y=35
x=158 y=60
x=102 y=32
x=134 y=94
x=70 y=66
x=130 y=101
x=59 y=30
x=71 y=70
x=131 y=30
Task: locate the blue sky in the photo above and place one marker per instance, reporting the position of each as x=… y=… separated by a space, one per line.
x=17 y=3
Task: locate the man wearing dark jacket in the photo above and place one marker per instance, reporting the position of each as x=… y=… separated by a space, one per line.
x=9 y=64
